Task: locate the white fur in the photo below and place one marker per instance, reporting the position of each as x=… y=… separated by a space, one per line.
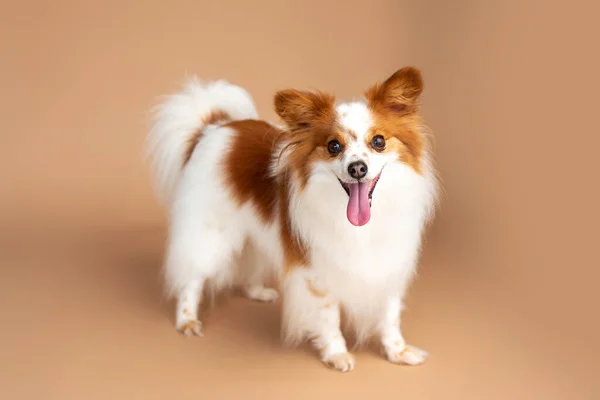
x=195 y=251
x=179 y=116
x=363 y=271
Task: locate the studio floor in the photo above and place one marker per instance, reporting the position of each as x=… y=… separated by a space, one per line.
x=83 y=319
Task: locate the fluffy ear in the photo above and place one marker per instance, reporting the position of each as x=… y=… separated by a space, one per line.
x=302 y=109
x=399 y=94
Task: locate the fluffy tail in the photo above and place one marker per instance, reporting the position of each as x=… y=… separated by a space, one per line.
x=179 y=120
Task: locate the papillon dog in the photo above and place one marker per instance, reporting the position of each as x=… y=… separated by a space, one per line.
x=333 y=202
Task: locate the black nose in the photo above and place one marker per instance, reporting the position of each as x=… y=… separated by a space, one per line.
x=357 y=169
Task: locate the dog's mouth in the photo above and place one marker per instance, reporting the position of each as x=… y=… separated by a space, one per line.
x=360 y=197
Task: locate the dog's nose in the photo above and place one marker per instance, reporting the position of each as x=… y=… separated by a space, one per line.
x=358 y=169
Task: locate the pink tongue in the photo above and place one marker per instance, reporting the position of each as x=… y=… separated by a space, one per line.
x=359 y=211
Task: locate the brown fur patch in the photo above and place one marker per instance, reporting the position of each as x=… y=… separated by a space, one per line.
x=294 y=251
x=408 y=147
x=215 y=117
x=314 y=291
x=248 y=166
x=312 y=122
x=394 y=105
x=247 y=169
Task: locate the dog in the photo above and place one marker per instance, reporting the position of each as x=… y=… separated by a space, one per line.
x=333 y=201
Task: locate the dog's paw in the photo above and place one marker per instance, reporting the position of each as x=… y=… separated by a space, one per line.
x=191 y=327
x=343 y=362
x=409 y=355
x=262 y=294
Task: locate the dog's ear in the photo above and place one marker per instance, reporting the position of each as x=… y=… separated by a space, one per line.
x=399 y=94
x=303 y=109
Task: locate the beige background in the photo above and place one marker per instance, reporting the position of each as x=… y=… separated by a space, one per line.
x=507 y=299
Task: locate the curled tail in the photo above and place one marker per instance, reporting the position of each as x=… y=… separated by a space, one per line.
x=179 y=121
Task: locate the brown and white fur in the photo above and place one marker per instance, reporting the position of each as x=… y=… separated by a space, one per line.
x=295 y=200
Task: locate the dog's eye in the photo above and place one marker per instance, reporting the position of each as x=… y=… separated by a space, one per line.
x=378 y=143
x=334 y=147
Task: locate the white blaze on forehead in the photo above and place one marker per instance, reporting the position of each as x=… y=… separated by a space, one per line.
x=356 y=117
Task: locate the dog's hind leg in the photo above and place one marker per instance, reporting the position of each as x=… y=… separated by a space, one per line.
x=254 y=271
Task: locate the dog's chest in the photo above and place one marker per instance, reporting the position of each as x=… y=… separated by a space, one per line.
x=373 y=254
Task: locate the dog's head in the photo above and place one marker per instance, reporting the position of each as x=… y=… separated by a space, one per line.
x=355 y=141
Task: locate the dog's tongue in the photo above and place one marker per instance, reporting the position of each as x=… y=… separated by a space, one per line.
x=359 y=210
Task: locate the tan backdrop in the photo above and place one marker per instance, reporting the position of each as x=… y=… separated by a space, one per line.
x=507 y=299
